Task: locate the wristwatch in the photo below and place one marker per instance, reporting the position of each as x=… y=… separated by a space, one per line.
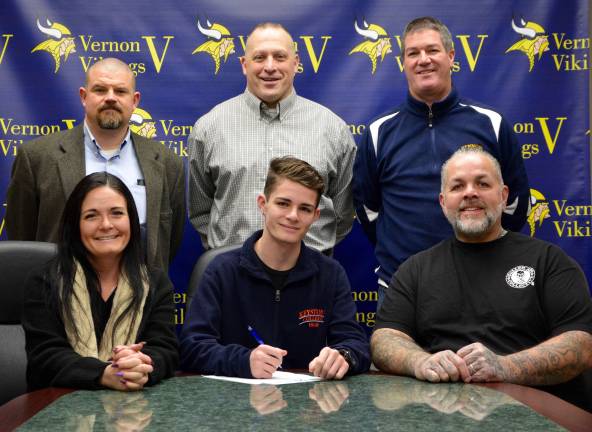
x=348 y=357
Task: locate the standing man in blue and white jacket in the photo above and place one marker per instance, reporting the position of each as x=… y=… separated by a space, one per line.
x=276 y=301
x=397 y=168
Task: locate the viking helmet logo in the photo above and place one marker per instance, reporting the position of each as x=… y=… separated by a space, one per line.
x=376 y=45
x=220 y=43
x=539 y=210
x=533 y=40
x=60 y=44
x=141 y=123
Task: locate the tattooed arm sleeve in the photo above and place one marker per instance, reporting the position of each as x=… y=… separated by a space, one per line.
x=395 y=352
x=554 y=361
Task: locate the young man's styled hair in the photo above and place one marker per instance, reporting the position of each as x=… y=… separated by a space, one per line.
x=428 y=23
x=296 y=170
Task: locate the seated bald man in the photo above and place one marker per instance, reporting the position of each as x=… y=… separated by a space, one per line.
x=487 y=304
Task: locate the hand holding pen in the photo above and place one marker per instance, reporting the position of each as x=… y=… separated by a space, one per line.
x=264 y=360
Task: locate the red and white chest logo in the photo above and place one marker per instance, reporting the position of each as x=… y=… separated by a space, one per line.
x=311 y=317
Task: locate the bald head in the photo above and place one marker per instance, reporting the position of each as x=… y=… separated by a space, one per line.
x=468 y=150
x=109 y=99
x=270 y=63
x=110 y=64
x=473 y=195
x=251 y=43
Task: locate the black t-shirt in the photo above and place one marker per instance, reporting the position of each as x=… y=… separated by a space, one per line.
x=509 y=294
x=278 y=277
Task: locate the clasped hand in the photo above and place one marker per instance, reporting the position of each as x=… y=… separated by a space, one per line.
x=129 y=368
x=471 y=363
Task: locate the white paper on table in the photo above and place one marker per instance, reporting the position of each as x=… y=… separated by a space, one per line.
x=278 y=378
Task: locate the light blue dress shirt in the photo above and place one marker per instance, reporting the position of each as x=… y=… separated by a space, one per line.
x=122 y=163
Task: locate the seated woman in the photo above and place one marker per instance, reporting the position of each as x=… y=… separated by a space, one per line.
x=96 y=317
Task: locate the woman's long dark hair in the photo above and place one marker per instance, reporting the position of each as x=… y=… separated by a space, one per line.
x=72 y=250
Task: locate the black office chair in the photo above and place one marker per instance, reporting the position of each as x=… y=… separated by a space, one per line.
x=199 y=268
x=17 y=258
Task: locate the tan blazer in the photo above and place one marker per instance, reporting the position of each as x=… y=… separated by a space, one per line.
x=46 y=170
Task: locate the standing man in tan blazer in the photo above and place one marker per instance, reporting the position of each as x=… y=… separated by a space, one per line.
x=46 y=169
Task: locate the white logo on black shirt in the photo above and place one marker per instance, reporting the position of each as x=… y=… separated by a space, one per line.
x=520 y=277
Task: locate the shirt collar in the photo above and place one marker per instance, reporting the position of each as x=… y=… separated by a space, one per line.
x=306 y=265
x=283 y=107
x=439 y=107
x=91 y=142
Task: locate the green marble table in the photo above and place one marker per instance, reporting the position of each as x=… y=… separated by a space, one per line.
x=365 y=402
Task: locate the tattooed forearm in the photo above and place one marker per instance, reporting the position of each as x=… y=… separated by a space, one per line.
x=552 y=362
x=395 y=352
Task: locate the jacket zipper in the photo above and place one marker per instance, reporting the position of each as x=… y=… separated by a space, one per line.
x=276 y=318
x=433 y=138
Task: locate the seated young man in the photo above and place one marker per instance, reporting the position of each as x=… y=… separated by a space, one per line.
x=297 y=300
